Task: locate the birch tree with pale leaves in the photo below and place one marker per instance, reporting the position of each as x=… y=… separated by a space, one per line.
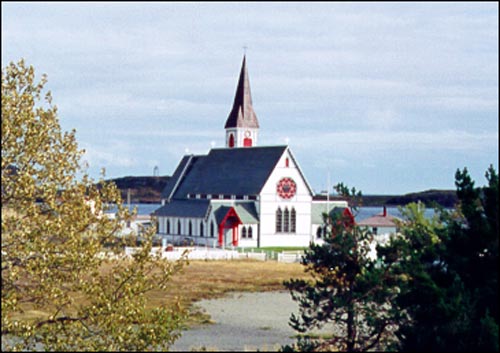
x=58 y=292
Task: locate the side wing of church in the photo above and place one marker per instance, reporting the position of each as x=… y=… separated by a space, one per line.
x=242 y=195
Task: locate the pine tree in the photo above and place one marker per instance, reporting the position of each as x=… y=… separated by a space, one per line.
x=348 y=289
x=452 y=263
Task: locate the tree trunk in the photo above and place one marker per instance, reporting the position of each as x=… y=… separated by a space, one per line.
x=351 y=329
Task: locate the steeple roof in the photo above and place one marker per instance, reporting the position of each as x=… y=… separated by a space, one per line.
x=242 y=113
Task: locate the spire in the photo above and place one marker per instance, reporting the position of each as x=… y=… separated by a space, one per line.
x=242 y=113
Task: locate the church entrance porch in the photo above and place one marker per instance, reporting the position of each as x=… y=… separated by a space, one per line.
x=228 y=228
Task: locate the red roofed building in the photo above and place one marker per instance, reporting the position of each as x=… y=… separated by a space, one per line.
x=382 y=223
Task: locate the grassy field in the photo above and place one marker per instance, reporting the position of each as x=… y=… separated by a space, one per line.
x=208 y=280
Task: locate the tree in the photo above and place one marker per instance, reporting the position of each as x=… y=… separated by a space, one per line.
x=452 y=264
x=349 y=289
x=58 y=292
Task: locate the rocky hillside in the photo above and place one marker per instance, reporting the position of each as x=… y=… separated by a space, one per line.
x=143 y=189
x=445 y=198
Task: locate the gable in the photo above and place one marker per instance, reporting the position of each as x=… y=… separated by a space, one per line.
x=287 y=167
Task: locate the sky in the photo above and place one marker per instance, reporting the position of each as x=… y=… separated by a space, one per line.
x=389 y=98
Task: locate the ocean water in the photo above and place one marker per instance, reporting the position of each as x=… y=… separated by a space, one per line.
x=363 y=212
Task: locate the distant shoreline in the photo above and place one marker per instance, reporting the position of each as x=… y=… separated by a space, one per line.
x=148 y=189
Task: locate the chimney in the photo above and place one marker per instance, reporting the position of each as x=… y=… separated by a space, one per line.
x=385 y=212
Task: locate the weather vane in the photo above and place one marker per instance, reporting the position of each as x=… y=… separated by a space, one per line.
x=245 y=50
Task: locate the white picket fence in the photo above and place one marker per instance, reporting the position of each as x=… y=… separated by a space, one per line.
x=207 y=253
x=290 y=257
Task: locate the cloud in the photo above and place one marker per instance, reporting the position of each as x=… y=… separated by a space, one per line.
x=360 y=82
x=115 y=154
x=401 y=140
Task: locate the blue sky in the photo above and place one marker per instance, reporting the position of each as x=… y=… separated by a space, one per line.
x=386 y=97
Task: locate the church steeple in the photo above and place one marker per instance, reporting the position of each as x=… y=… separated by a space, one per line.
x=242 y=124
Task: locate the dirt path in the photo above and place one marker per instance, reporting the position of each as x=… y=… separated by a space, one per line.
x=243 y=322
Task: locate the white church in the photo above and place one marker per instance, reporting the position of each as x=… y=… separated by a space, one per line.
x=243 y=195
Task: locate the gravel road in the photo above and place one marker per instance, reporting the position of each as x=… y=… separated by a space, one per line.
x=243 y=322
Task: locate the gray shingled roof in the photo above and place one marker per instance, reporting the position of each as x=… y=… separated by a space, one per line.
x=172 y=182
x=317 y=210
x=246 y=211
x=183 y=208
x=226 y=171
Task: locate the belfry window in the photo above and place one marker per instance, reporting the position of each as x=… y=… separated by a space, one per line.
x=247 y=142
x=231 y=141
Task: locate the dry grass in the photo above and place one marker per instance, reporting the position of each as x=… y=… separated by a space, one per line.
x=207 y=280
x=212 y=279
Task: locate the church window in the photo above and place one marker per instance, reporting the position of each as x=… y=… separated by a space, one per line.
x=250 y=235
x=231 y=141
x=190 y=228
x=212 y=234
x=244 y=232
x=179 y=227
x=279 y=220
x=293 y=217
x=168 y=226
x=318 y=232
x=201 y=229
x=247 y=142
x=286 y=221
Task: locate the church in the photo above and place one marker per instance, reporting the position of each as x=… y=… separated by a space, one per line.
x=243 y=195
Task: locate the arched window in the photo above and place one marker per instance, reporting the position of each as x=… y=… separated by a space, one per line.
x=168 y=226
x=231 y=140
x=179 y=227
x=212 y=234
x=201 y=229
x=244 y=232
x=293 y=217
x=279 y=220
x=250 y=235
x=190 y=228
x=319 y=232
x=286 y=221
x=247 y=142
